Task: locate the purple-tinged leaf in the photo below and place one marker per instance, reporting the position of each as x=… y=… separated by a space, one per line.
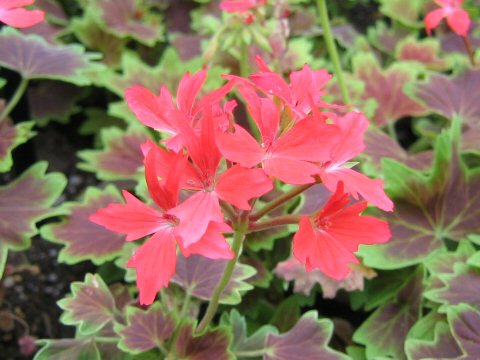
x=121 y=157
x=451 y=95
x=83 y=239
x=386 y=88
x=10 y=137
x=199 y=276
x=263 y=275
x=452 y=43
x=464 y=321
x=385 y=331
x=423 y=51
x=213 y=344
x=428 y=209
x=386 y=38
x=53 y=100
x=96 y=38
x=145 y=329
x=408 y=13
x=242 y=344
x=346 y=35
x=308 y=339
x=443 y=345
x=25 y=201
x=34 y=58
x=68 y=349
x=292 y=269
x=379 y=146
x=91 y=305
x=53 y=10
x=128 y=19
x=463 y=286
x=49 y=32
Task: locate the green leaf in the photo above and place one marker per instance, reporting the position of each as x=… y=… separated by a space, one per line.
x=68 y=349
x=428 y=209
x=10 y=137
x=145 y=329
x=83 y=239
x=423 y=51
x=91 y=305
x=199 y=277
x=385 y=331
x=24 y=202
x=121 y=157
x=407 y=12
x=35 y=58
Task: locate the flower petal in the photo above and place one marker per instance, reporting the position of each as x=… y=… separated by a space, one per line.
x=212 y=245
x=291 y=171
x=459 y=22
x=21 y=18
x=240 y=147
x=433 y=18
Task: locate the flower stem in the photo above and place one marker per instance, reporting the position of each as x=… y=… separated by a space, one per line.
x=272 y=205
x=468 y=45
x=186 y=304
x=15 y=99
x=240 y=230
x=332 y=49
x=274 y=222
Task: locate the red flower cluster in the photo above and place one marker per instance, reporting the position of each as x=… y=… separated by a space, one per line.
x=457 y=19
x=242 y=7
x=11 y=13
x=211 y=163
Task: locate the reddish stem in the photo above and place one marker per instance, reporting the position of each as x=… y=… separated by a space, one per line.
x=274 y=222
x=468 y=46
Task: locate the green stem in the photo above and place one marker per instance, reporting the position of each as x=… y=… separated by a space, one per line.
x=332 y=49
x=251 y=353
x=186 y=304
x=272 y=205
x=240 y=230
x=15 y=99
x=274 y=222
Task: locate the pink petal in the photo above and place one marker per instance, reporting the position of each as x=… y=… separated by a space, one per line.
x=459 y=22
x=10 y=4
x=238 y=6
x=308 y=140
x=357 y=184
x=318 y=250
x=155 y=112
x=188 y=90
x=291 y=171
x=195 y=215
x=212 y=245
x=238 y=185
x=272 y=84
x=433 y=18
x=240 y=147
x=353 y=126
x=213 y=98
x=135 y=219
x=154 y=262
x=21 y=18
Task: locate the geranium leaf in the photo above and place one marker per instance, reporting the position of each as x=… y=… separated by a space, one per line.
x=292 y=269
x=214 y=344
x=68 y=349
x=128 y=19
x=386 y=38
x=308 y=339
x=385 y=331
x=463 y=286
x=25 y=201
x=34 y=58
x=10 y=137
x=386 y=87
x=83 y=239
x=145 y=329
x=53 y=100
x=464 y=321
x=451 y=95
x=242 y=344
x=90 y=306
x=407 y=12
x=423 y=51
x=443 y=345
x=428 y=209
x=199 y=276
x=121 y=157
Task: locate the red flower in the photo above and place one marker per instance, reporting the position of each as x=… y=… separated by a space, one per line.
x=287 y=155
x=155 y=260
x=237 y=185
x=158 y=112
x=327 y=240
x=457 y=19
x=240 y=6
x=12 y=14
x=353 y=126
